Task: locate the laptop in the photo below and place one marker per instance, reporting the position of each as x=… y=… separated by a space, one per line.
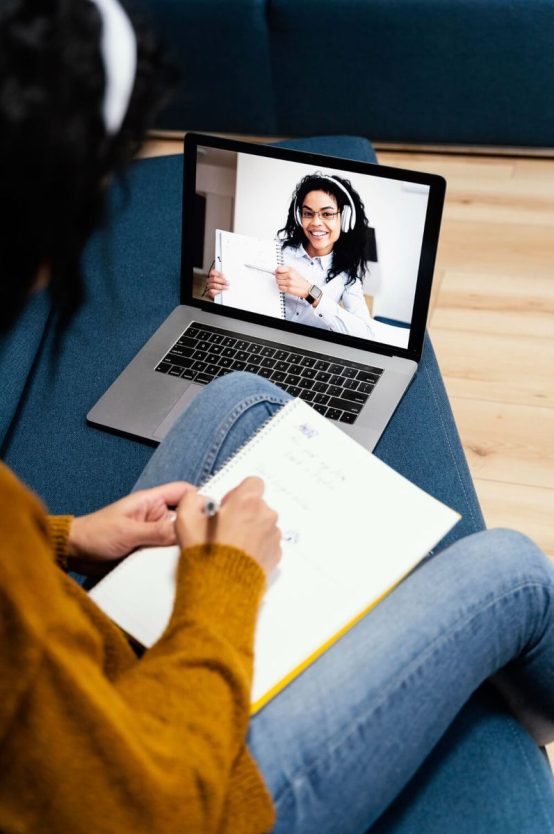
x=346 y=337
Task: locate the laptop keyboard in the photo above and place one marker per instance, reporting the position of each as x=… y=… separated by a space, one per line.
x=335 y=388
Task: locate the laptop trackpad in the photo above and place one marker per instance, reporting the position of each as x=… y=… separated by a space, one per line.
x=179 y=407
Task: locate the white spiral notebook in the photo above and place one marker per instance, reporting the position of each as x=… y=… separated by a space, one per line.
x=352 y=528
x=249 y=264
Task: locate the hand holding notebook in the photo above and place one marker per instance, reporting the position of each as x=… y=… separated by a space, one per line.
x=352 y=528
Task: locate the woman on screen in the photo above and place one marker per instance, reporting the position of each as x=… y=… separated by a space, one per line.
x=327 y=246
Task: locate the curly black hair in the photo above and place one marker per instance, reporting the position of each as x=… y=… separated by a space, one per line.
x=55 y=154
x=354 y=249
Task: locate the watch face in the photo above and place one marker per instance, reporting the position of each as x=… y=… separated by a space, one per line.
x=315 y=292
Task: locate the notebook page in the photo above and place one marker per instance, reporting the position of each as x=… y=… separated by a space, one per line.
x=249 y=265
x=351 y=529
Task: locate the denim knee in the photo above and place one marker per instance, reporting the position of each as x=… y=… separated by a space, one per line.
x=245 y=384
x=515 y=554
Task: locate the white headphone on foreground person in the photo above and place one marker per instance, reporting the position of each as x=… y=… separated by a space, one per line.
x=348 y=213
x=118 y=46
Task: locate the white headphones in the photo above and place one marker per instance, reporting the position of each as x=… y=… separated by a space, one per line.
x=348 y=213
x=119 y=52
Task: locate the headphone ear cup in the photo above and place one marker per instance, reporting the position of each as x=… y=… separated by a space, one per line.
x=346 y=214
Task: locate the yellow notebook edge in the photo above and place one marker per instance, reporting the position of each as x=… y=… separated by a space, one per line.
x=256 y=706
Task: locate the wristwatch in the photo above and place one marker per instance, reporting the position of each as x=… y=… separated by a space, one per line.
x=314 y=294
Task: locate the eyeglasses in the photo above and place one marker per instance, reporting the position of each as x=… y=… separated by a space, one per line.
x=325 y=214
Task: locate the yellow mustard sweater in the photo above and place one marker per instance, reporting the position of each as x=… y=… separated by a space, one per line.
x=94 y=740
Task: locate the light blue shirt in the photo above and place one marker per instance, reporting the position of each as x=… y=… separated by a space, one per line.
x=341 y=309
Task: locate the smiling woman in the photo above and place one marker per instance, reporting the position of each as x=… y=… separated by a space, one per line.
x=327 y=246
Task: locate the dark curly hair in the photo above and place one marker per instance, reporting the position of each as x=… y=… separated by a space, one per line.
x=55 y=154
x=355 y=249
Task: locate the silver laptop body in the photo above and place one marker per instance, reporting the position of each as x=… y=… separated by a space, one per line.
x=226 y=183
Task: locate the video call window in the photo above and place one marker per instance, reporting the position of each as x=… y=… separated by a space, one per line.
x=320 y=247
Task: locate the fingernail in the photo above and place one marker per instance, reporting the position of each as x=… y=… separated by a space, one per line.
x=172 y=517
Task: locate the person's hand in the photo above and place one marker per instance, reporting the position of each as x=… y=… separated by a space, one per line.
x=145 y=517
x=291 y=282
x=244 y=521
x=216 y=283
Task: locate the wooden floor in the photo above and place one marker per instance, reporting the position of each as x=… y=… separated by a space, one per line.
x=492 y=324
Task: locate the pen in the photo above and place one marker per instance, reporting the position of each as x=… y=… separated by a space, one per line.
x=260 y=269
x=211 y=507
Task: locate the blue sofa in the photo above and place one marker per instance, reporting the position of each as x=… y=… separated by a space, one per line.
x=477 y=779
x=434 y=71
x=465 y=72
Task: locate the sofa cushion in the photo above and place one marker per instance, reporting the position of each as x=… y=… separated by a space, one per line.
x=430 y=71
x=222 y=52
x=458 y=71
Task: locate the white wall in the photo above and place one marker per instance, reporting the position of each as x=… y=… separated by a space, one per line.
x=395 y=210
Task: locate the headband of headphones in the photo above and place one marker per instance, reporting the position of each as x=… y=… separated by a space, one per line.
x=118 y=46
x=348 y=214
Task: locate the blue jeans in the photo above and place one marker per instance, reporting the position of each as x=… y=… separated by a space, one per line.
x=341 y=742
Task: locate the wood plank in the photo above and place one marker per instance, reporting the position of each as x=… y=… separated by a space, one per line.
x=492 y=366
x=515 y=199
x=497 y=291
x=506 y=442
x=495 y=321
x=505 y=208
x=473 y=246
x=525 y=508
x=534 y=171
x=503 y=304
x=475 y=185
x=161 y=147
x=450 y=167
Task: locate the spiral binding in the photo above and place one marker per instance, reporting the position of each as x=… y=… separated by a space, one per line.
x=280 y=262
x=268 y=424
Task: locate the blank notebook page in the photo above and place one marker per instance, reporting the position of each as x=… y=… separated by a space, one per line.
x=249 y=265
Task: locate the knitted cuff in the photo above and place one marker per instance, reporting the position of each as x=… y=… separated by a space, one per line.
x=221 y=586
x=58 y=529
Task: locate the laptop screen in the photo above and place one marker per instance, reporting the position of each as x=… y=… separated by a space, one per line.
x=340 y=250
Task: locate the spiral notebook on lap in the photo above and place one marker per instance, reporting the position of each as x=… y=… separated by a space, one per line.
x=351 y=363
x=351 y=527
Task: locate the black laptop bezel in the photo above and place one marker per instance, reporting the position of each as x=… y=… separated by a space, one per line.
x=431 y=232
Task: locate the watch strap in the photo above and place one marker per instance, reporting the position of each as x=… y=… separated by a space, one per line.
x=310 y=298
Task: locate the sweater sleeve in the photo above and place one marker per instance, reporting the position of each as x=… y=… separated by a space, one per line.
x=58 y=529
x=160 y=745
